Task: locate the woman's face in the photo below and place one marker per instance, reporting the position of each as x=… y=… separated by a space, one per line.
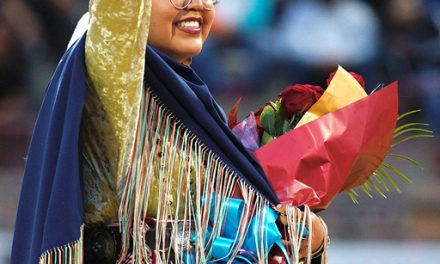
x=179 y=33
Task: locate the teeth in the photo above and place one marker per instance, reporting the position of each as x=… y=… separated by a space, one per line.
x=189 y=24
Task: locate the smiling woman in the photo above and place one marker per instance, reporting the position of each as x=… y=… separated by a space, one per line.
x=132 y=160
x=180 y=29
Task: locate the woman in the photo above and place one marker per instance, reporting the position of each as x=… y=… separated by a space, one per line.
x=148 y=168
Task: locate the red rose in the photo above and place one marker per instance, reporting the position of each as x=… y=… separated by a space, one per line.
x=358 y=78
x=299 y=98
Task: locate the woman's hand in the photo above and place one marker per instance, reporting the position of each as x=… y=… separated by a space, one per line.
x=319 y=231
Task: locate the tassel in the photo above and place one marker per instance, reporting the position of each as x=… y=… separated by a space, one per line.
x=181 y=184
x=71 y=253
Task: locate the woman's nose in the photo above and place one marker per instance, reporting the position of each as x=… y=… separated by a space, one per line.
x=196 y=5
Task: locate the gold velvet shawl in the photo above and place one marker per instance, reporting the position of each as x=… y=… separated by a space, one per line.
x=115 y=58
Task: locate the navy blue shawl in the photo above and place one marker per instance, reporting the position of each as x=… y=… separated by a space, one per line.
x=189 y=99
x=50 y=211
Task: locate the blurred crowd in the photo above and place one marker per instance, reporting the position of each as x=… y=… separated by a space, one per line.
x=262 y=44
x=33 y=37
x=256 y=46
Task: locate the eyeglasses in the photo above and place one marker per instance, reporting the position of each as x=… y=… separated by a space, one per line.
x=182 y=4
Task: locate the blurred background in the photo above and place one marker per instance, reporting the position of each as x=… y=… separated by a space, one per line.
x=258 y=47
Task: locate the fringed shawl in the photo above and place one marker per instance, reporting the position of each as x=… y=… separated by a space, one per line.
x=186 y=96
x=184 y=155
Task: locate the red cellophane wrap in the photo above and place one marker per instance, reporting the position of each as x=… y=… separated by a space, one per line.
x=313 y=163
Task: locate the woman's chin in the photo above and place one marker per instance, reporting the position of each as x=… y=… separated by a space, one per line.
x=191 y=47
x=185 y=52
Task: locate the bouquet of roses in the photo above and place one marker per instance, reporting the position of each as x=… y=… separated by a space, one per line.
x=314 y=144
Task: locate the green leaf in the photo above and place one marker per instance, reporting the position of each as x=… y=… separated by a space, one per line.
x=290 y=124
x=266 y=138
x=412 y=137
x=397 y=172
x=280 y=119
x=380 y=180
x=293 y=120
x=376 y=188
x=389 y=178
x=367 y=186
x=406 y=158
x=403 y=131
x=286 y=126
x=385 y=171
x=353 y=196
x=408 y=113
x=401 y=127
x=267 y=119
x=366 y=191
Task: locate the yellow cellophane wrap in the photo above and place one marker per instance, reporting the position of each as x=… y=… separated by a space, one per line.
x=115 y=56
x=342 y=91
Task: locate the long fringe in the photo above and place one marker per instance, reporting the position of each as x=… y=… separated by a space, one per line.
x=173 y=178
x=71 y=253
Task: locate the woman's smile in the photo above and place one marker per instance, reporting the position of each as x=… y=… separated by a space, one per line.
x=190 y=25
